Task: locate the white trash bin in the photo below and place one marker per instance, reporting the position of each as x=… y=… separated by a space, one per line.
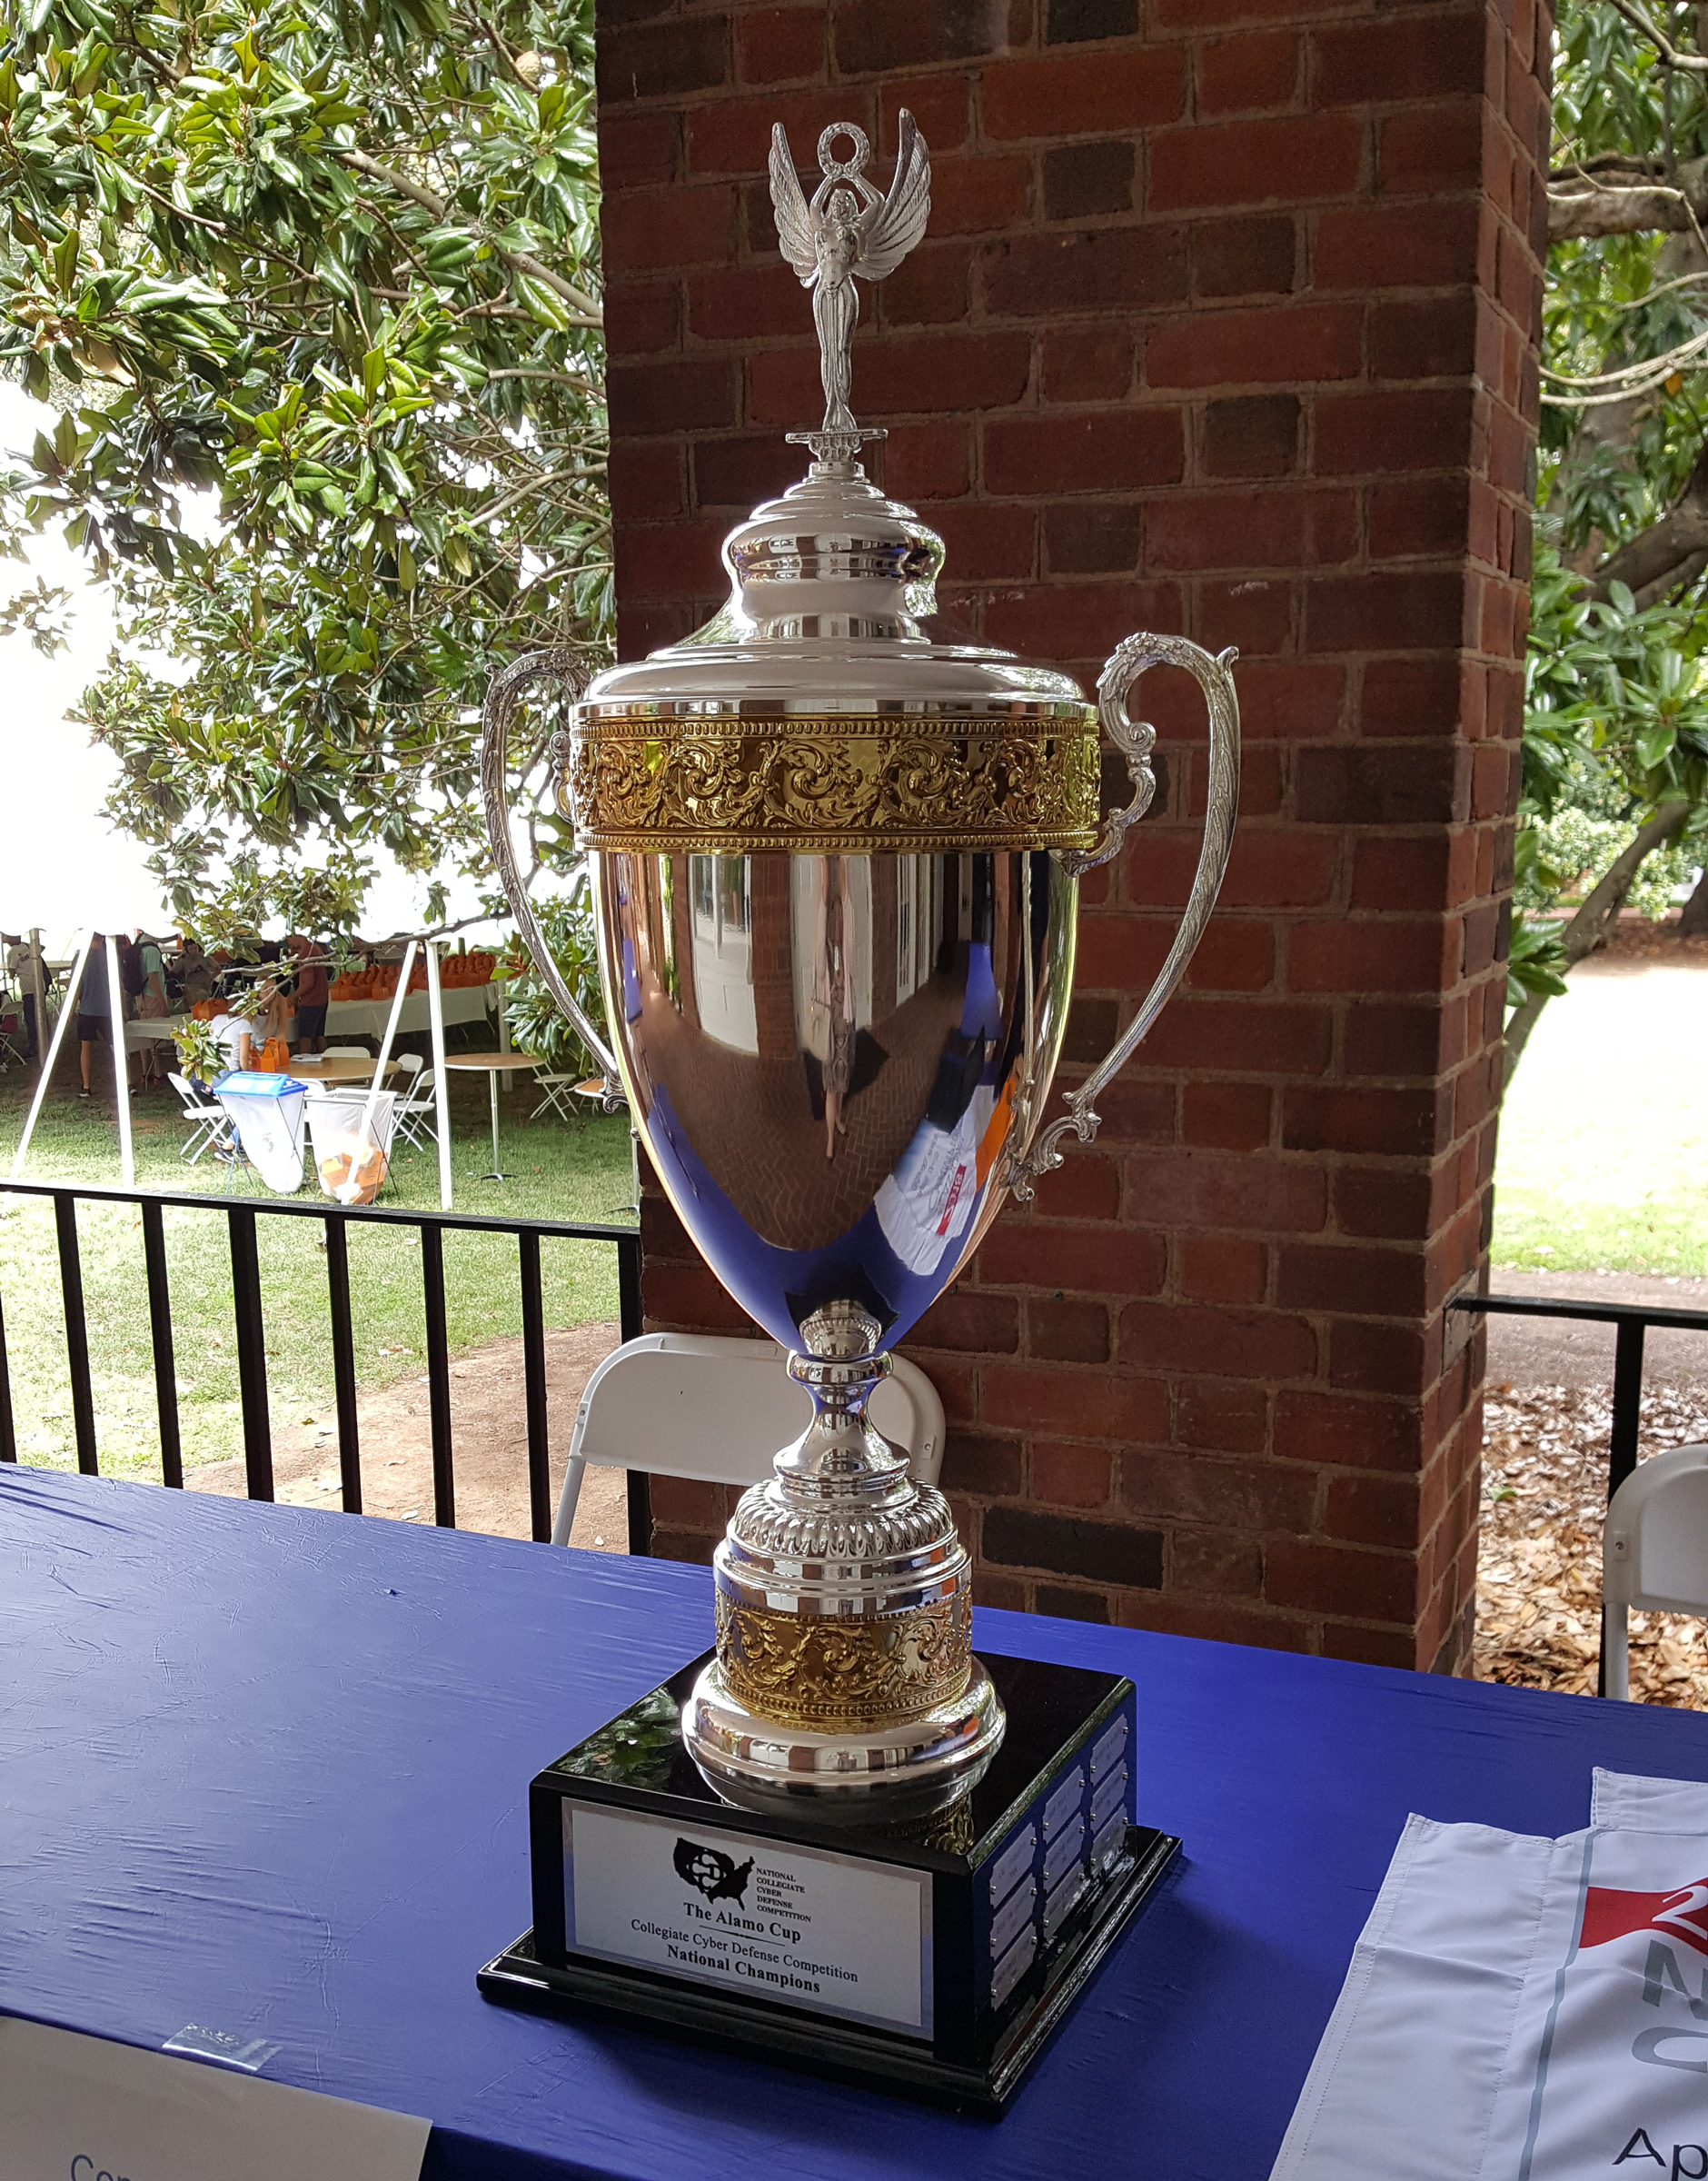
x=334 y=1122
x=266 y=1110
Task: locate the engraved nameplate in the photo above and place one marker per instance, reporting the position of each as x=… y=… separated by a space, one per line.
x=1061 y=1903
x=1108 y=1797
x=800 y=1926
x=1015 y=1911
x=1012 y=1864
x=1065 y=1848
x=1108 y=1846
x=1013 y=1966
x=1063 y=1806
x=1109 y=1747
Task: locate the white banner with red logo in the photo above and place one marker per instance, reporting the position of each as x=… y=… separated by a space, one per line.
x=1523 y=2009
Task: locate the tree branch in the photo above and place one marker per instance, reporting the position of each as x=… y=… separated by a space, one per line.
x=519 y=261
x=1654 y=563
x=1627 y=197
x=1588 y=928
x=564 y=378
x=535 y=486
x=1671 y=56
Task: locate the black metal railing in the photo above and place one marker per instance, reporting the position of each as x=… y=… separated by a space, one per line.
x=252 y=1358
x=1632 y=1322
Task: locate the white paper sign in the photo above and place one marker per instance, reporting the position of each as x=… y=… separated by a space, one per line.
x=76 y=2108
x=832 y=1933
x=924 y=1206
x=1609 y=2066
x=1524 y=2010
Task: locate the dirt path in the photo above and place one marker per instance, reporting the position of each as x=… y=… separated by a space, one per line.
x=488 y=1437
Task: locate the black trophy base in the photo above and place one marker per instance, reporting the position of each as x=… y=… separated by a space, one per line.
x=934 y=1960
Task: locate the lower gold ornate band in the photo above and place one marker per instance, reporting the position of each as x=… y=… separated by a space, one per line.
x=833 y=785
x=841 y=1676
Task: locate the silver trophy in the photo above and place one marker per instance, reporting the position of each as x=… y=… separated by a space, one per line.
x=835 y=847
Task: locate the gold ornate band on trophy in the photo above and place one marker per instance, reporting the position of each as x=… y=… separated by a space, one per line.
x=836 y=1675
x=828 y=786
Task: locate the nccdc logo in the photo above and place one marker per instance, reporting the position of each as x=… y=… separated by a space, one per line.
x=711 y=1872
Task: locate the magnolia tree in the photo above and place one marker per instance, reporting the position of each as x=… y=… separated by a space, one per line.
x=313 y=290
x=1615 y=784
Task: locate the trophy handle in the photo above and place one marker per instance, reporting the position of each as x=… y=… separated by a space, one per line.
x=571 y=667
x=1135 y=739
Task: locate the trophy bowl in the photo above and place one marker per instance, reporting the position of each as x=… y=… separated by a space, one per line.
x=835 y=849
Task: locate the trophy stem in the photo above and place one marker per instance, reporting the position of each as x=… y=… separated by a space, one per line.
x=839 y=1456
x=845 y=1669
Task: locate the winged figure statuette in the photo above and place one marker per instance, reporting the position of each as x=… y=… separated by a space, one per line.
x=846 y=229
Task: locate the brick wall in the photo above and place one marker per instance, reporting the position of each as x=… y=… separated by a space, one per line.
x=1224 y=324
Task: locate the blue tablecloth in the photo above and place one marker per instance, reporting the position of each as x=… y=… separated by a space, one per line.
x=265 y=1768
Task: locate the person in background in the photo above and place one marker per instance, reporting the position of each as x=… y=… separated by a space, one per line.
x=269 y=1011
x=129 y=969
x=195 y=979
x=313 y=985
x=234 y=1032
x=95 y=1009
x=19 y=968
x=151 y=1004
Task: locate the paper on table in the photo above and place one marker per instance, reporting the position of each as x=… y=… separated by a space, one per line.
x=1478 y=2038
x=79 y=2106
x=1404 y=2080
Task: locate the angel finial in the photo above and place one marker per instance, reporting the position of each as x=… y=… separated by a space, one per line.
x=845 y=229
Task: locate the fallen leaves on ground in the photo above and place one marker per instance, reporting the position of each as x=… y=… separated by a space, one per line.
x=1545 y=1490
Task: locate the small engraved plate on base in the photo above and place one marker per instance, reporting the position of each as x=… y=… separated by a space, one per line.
x=836 y=1933
x=934 y=1956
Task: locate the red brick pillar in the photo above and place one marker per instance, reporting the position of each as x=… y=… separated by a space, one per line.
x=1224 y=327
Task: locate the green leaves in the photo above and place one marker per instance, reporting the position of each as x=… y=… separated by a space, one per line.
x=1616 y=724
x=1536 y=962
x=290 y=388
x=448 y=250
x=1613 y=686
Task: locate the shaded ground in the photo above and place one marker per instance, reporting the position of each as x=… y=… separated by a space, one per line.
x=1635 y=941
x=1545 y=1489
x=490 y=1443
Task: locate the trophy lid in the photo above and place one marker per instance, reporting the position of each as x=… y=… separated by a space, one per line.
x=827 y=705
x=832 y=605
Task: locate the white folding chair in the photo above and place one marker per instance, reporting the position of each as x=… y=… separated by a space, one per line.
x=556 y=1088
x=1655 y=1550
x=417 y=1110
x=347 y=1053
x=213 y=1123
x=716 y=1409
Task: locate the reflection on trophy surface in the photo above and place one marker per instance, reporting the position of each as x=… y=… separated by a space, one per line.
x=828 y=1055
x=836 y=848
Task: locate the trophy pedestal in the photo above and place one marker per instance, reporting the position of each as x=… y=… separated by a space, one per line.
x=933 y=1957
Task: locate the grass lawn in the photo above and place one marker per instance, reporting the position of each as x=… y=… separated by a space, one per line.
x=1604 y=1136
x=561 y=1171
